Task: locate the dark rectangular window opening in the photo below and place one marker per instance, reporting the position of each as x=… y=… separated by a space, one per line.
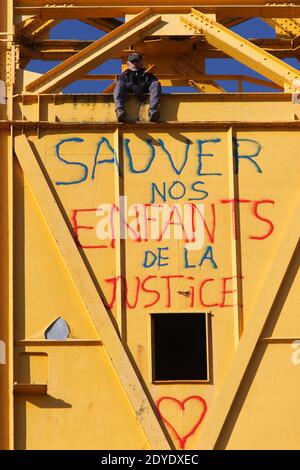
x=179 y=347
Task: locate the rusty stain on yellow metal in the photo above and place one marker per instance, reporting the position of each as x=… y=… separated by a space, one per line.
x=73 y=180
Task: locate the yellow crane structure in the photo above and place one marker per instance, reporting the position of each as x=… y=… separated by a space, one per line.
x=149 y=271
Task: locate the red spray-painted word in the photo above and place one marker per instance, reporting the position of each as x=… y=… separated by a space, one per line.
x=182 y=439
x=209 y=222
x=197 y=294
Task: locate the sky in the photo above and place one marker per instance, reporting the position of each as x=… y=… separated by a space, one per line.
x=75 y=29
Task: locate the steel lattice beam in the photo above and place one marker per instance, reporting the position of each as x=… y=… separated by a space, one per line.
x=188 y=67
x=242 y=50
x=35 y=27
x=54 y=49
x=95 y=54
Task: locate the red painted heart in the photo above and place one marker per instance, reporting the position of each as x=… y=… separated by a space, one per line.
x=182 y=439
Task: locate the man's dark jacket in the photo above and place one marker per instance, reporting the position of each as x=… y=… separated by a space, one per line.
x=137 y=81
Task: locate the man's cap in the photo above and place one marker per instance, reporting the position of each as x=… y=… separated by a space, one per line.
x=135 y=56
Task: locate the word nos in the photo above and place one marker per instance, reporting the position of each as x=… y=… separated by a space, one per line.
x=138 y=227
x=145 y=292
x=181 y=404
x=177 y=189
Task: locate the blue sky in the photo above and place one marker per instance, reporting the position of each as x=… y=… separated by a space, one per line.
x=74 y=29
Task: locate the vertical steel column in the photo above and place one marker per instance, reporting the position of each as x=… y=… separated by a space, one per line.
x=6 y=321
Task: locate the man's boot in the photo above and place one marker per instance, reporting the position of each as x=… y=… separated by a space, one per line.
x=121 y=114
x=153 y=115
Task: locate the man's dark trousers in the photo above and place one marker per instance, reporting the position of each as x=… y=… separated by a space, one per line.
x=122 y=88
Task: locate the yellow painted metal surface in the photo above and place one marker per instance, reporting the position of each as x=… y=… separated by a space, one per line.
x=267 y=185
x=67 y=170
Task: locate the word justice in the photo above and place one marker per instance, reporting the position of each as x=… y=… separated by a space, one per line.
x=145 y=292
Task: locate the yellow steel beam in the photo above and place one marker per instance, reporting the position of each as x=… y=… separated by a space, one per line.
x=85 y=287
x=230 y=22
x=259 y=81
x=7 y=76
x=104 y=24
x=189 y=67
x=51 y=49
x=35 y=27
x=271 y=286
x=95 y=54
x=25 y=24
x=202 y=85
x=279 y=47
x=207 y=87
x=55 y=49
x=286 y=27
x=242 y=50
x=179 y=78
x=83 y=9
x=120 y=3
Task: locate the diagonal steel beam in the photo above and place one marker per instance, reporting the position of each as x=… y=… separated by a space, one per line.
x=261 y=310
x=88 y=292
x=188 y=67
x=95 y=54
x=38 y=27
x=242 y=50
x=104 y=24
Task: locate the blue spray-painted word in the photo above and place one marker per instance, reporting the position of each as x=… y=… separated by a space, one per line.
x=132 y=162
x=151 y=258
x=207 y=256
